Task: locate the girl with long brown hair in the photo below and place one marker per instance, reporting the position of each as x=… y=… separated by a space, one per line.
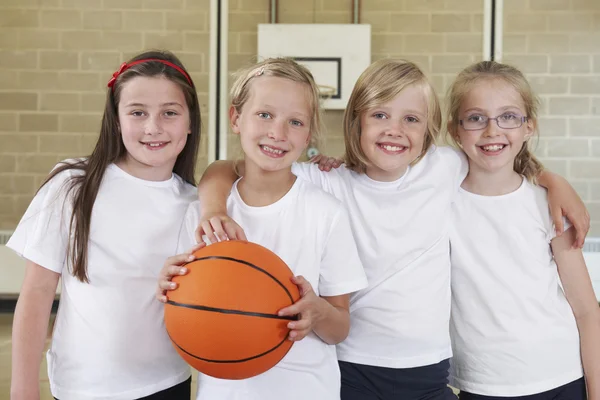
x=103 y=225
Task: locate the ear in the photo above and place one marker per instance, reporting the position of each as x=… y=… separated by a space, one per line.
x=234 y=120
x=530 y=128
x=451 y=127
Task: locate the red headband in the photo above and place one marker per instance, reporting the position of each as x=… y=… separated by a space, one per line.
x=125 y=66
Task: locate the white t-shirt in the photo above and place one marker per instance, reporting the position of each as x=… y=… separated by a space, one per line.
x=401 y=229
x=109 y=339
x=309 y=230
x=513 y=331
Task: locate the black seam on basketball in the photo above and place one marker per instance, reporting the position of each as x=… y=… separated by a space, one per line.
x=249 y=265
x=227 y=361
x=229 y=311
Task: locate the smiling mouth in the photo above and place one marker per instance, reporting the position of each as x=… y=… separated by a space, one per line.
x=272 y=152
x=492 y=148
x=391 y=148
x=154 y=145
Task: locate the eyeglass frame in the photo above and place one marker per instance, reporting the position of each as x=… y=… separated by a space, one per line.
x=523 y=119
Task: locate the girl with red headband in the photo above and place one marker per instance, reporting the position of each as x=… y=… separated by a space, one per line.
x=103 y=225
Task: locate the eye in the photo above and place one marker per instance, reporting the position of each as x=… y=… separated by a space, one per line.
x=264 y=115
x=137 y=113
x=295 y=122
x=380 y=115
x=475 y=118
x=411 y=119
x=509 y=117
x=171 y=113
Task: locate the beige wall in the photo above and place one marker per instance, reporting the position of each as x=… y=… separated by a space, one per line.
x=441 y=36
x=557 y=44
x=56 y=57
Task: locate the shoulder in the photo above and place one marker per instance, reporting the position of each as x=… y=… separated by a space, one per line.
x=446 y=154
x=185 y=189
x=317 y=197
x=61 y=176
x=536 y=194
x=312 y=171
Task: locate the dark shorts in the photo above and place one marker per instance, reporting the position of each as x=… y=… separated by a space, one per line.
x=366 y=382
x=571 y=391
x=183 y=391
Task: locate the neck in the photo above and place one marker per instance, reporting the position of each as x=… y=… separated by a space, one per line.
x=385 y=176
x=259 y=188
x=491 y=183
x=143 y=171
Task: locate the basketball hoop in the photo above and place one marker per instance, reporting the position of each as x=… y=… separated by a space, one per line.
x=326 y=91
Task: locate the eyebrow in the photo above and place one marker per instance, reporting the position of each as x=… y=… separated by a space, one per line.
x=298 y=114
x=504 y=108
x=170 y=104
x=409 y=111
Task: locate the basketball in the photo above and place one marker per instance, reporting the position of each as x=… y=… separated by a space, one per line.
x=222 y=318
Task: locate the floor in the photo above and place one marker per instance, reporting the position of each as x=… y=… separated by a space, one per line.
x=5 y=363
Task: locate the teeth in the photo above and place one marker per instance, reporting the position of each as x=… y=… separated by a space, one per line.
x=494 y=147
x=154 y=144
x=272 y=150
x=392 y=148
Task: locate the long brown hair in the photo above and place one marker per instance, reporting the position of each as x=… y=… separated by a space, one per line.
x=110 y=148
x=381 y=82
x=526 y=163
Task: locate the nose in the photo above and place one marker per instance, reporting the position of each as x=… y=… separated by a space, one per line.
x=492 y=129
x=395 y=128
x=153 y=125
x=278 y=131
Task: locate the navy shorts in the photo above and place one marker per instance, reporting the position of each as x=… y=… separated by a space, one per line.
x=366 y=382
x=571 y=391
x=182 y=391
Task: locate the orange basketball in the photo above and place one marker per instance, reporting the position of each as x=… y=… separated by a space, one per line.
x=222 y=319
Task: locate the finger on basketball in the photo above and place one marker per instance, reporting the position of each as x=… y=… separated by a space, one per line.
x=292 y=310
x=217 y=227
x=299 y=325
x=208 y=231
x=196 y=247
x=161 y=297
x=241 y=235
x=230 y=228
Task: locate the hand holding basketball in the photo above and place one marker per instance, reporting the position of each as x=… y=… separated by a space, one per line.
x=217 y=227
x=310 y=308
x=173 y=267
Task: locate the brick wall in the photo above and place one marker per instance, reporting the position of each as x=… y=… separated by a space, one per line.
x=56 y=57
x=557 y=44
x=441 y=36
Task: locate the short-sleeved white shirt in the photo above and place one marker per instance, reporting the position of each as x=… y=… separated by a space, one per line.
x=310 y=231
x=513 y=331
x=401 y=229
x=109 y=339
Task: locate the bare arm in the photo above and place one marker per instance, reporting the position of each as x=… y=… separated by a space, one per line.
x=564 y=201
x=580 y=294
x=328 y=317
x=30 y=326
x=335 y=325
x=213 y=190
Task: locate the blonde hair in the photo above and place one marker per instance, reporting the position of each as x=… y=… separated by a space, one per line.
x=281 y=68
x=525 y=163
x=381 y=82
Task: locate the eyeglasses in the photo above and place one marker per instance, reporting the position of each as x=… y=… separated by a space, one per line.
x=476 y=122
